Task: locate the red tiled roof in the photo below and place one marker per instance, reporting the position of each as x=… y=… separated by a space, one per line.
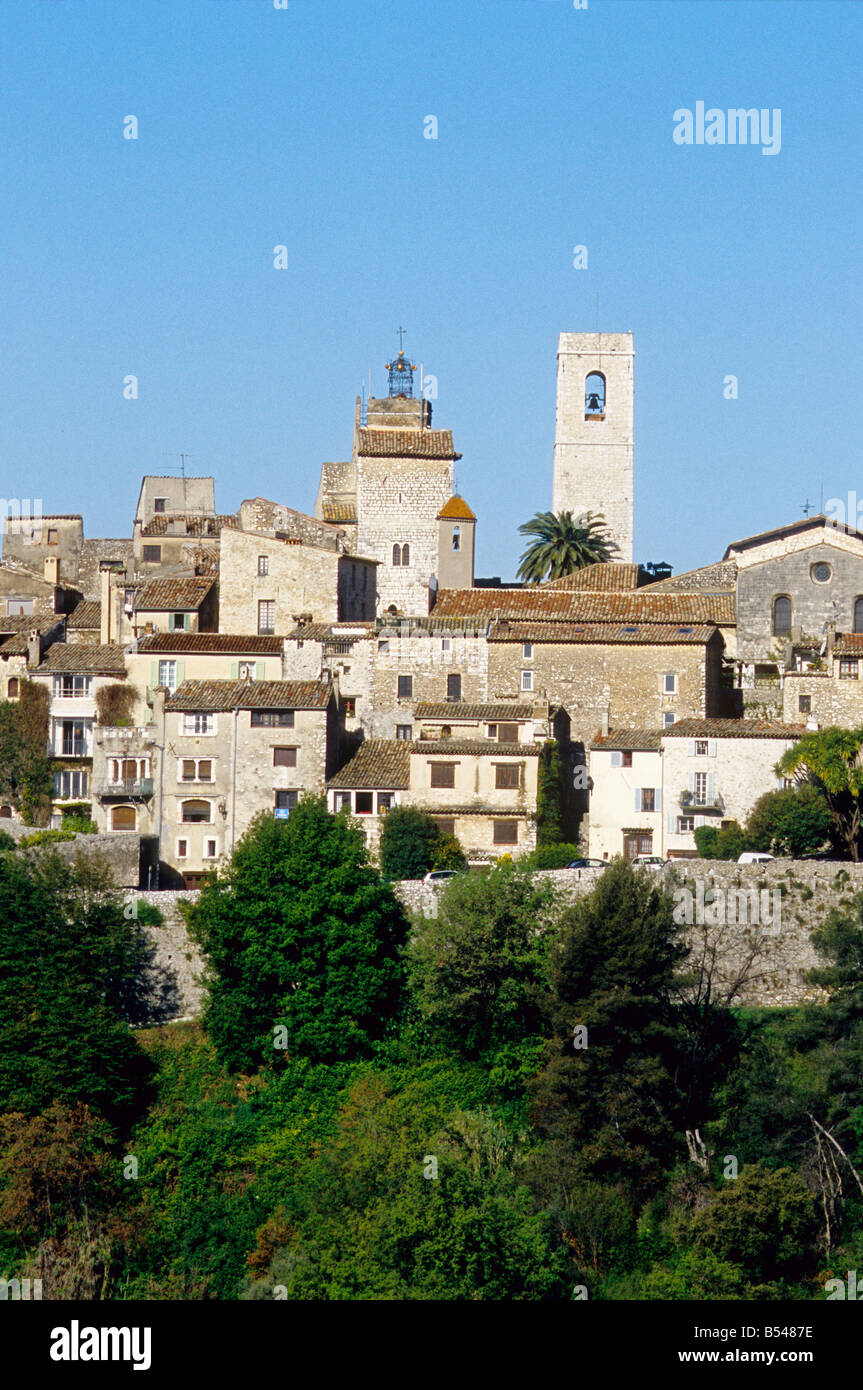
x=217 y=642
x=91 y=660
x=405 y=444
x=194 y=525
x=732 y=728
x=227 y=695
x=640 y=633
x=481 y=747
x=339 y=511
x=630 y=740
x=446 y=712
x=378 y=762
x=538 y=603
x=610 y=577
x=163 y=595
x=88 y=614
x=456 y=509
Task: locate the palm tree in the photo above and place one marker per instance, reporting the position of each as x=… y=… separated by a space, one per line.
x=563 y=544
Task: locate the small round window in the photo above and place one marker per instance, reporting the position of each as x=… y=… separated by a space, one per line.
x=821 y=572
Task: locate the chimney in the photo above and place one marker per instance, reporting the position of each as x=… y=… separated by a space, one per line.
x=34 y=648
x=51 y=569
x=604 y=729
x=105 y=613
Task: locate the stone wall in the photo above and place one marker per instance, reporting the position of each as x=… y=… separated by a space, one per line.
x=178 y=962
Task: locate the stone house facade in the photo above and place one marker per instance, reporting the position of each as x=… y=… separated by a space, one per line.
x=267 y=585
x=186 y=604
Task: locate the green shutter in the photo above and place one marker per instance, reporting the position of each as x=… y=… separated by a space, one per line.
x=181 y=672
x=260 y=670
x=235 y=670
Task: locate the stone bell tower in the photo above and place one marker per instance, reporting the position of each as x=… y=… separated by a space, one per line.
x=593 y=441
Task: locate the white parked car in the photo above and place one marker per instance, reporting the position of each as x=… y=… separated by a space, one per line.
x=648 y=861
x=752 y=856
x=439 y=875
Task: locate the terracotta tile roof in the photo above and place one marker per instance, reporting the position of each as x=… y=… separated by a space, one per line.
x=194 y=525
x=91 y=660
x=87 y=615
x=718 y=578
x=732 y=728
x=540 y=602
x=405 y=444
x=599 y=634
x=24 y=622
x=483 y=747
x=850 y=642
x=606 y=578
x=390 y=626
x=378 y=762
x=227 y=695
x=339 y=511
x=56 y=516
x=332 y=632
x=163 y=595
x=630 y=740
x=222 y=642
x=446 y=711
x=447 y=812
x=456 y=509
x=311 y=632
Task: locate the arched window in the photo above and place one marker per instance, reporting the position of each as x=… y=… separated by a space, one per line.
x=406 y=554
x=12 y=688
x=456 y=538
x=123 y=818
x=781 y=616
x=195 y=811
x=5 y=812
x=397 y=554
x=594 y=394
x=858 y=614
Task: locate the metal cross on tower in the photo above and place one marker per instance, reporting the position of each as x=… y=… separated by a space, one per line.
x=402 y=332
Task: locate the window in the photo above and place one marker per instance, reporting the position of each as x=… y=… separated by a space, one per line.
x=123 y=818
x=648 y=799
x=284 y=757
x=404 y=732
x=446 y=827
x=350 y=704
x=527 y=680
x=364 y=803
x=70 y=785
x=199 y=723
x=384 y=644
x=75 y=737
x=669 y=683
x=12 y=688
x=456 y=538
x=152 y=554
x=442 y=774
x=168 y=674
x=247 y=670
x=385 y=801
x=178 y=622
x=594 y=395
x=668 y=719
x=804 y=704
x=159 y=504
x=527 y=651
x=821 y=572
x=210 y=849
x=507 y=776
x=19 y=607
x=507 y=733
x=52 y=536
x=194 y=811
x=505 y=832
x=702 y=747
x=446 y=644
x=266 y=617
x=700 y=788
x=685 y=824
x=72 y=687
x=343 y=799
x=626 y=758
x=263 y=565
x=196 y=770
x=286 y=801
x=858 y=614
x=848 y=668
x=182 y=849
x=405 y=687
x=406 y=555
x=781 y=616
x=272 y=719
x=397 y=554
x=189 y=770
x=453 y=687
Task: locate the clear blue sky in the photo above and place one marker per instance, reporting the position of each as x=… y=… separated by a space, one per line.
x=304 y=126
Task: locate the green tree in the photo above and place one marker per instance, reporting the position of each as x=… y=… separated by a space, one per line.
x=25 y=768
x=727 y=843
x=302 y=935
x=412 y=843
x=762 y=1221
x=793 y=821
x=549 y=796
x=74 y=973
x=829 y=760
x=563 y=544
x=607 y=1099
x=479 y=969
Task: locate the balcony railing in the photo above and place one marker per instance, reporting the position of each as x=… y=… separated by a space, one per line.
x=133 y=787
x=702 y=801
x=73 y=748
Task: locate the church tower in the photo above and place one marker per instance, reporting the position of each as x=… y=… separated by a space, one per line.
x=593 y=441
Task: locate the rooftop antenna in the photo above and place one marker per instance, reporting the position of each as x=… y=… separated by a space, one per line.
x=807 y=507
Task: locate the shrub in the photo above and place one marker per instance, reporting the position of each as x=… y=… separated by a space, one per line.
x=552 y=856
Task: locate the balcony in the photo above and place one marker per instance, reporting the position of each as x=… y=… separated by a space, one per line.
x=72 y=748
x=702 y=802
x=133 y=788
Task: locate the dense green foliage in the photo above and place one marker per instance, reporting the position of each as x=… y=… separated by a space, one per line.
x=549 y=797
x=562 y=544
x=554 y=856
x=829 y=760
x=25 y=768
x=792 y=821
x=528 y=1098
x=727 y=843
x=302 y=940
x=412 y=843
